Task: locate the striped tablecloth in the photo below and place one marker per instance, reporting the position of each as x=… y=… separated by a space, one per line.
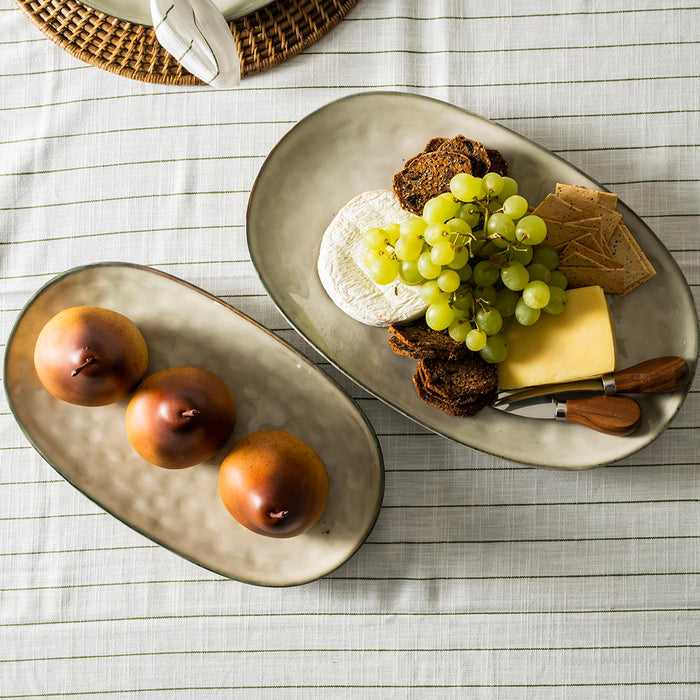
x=482 y=578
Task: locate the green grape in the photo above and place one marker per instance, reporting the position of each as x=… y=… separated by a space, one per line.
x=489 y=249
x=442 y=253
x=476 y=339
x=458 y=329
x=489 y=320
x=506 y=301
x=501 y=225
x=408 y=272
x=430 y=293
x=539 y=272
x=427 y=267
x=485 y=273
x=471 y=213
x=460 y=259
x=370 y=254
x=510 y=187
x=515 y=207
x=448 y=280
x=495 y=350
x=493 y=183
x=434 y=233
x=439 y=316
x=439 y=209
x=467 y=188
x=557 y=301
x=558 y=279
x=392 y=233
x=408 y=247
x=487 y=294
x=463 y=298
x=458 y=225
x=514 y=276
x=376 y=238
x=526 y=315
x=465 y=273
x=461 y=313
x=383 y=270
x=531 y=230
x=547 y=256
x=413 y=226
x=536 y=294
x=522 y=255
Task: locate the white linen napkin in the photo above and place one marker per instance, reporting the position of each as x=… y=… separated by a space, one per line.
x=196 y=34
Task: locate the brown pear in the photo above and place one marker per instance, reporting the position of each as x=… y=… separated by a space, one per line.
x=274 y=484
x=180 y=417
x=90 y=356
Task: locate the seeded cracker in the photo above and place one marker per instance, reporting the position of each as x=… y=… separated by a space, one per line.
x=426 y=176
x=475 y=151
x=498 y=163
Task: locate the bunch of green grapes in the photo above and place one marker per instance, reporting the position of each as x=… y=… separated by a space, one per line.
x=480 y=259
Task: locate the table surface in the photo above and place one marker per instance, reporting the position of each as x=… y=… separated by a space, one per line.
x=481 y=578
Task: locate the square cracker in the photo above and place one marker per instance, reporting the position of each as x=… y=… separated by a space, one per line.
x=627 y=252
x=611 y=280
x=556 y=209
x=589 y=255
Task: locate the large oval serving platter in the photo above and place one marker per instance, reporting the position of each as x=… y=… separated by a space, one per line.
x=356 y=144
x=275 y=388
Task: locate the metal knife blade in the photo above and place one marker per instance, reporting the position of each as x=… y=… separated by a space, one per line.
x=613 y=415
x=656 y=376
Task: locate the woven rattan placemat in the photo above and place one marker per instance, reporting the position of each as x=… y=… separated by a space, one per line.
x=264 y=38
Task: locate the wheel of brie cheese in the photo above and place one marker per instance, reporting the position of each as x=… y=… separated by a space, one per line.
x=342 y=270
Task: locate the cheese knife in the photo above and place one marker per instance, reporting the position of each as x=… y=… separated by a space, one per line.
x=613 y=415
x=660 y=375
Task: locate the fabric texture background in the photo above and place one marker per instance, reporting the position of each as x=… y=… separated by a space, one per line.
x=482 y=578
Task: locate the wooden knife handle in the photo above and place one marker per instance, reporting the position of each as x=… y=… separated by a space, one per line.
x=613 y=415
x=658 y=376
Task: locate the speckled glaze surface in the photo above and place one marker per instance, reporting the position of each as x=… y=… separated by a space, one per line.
x=274 y=387
x=356 y=144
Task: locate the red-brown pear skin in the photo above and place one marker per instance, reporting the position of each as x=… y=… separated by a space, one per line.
x=180 y=417
x=274 y=484
x=90 y=356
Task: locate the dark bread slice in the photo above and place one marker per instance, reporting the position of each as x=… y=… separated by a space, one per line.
x=421 y=342
x=470 y=379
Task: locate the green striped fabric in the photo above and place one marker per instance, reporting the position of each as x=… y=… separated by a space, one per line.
x=482 y=578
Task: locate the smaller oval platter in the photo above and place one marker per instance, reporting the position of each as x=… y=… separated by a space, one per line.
x=274 y=387
x=356 y=144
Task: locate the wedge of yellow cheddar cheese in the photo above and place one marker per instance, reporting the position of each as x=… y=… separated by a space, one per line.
x=576 y=344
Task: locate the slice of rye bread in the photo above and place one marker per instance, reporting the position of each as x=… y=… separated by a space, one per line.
x=429 y=372
x=467 y=380
x=498 y=163
x=421 y=342
x=426 y=176
x=474 y=150
x=462 y=410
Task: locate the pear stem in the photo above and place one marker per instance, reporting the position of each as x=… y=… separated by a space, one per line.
x=278 y=515
x=86 y=363
x=190 y=414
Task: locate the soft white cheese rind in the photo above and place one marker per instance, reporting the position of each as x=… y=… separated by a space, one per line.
x=342 y=270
